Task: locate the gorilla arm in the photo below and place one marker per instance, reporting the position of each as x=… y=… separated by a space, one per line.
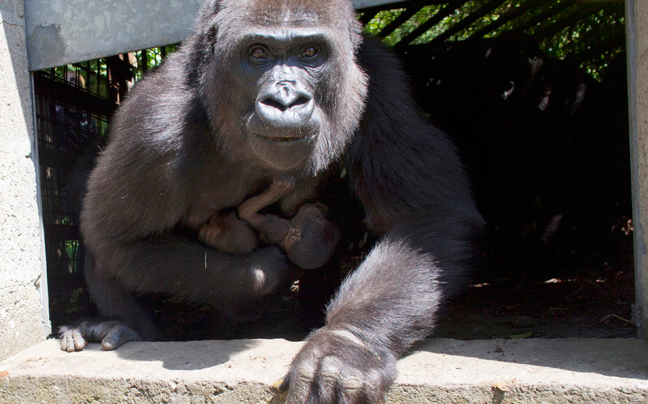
x=415 y=194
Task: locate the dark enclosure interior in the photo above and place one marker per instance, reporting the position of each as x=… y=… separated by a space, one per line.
x=533 y=93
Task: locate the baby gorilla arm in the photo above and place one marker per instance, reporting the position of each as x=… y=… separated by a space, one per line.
x=308 y=239
x=273 y=227
x=228 y=233
x=249 y=209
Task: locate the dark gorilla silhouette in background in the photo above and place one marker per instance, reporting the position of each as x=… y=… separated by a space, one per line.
x=264 y=89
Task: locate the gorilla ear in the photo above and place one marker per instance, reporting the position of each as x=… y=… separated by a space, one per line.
x=355 y=34
x=206 y=14
x=210 y=7
x=210 y=35
x=201 y=42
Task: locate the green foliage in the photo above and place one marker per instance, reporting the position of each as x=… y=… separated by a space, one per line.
x=410 y=25
x=588 y=32
x=150 y=59
x=592 y=42
x=449 y=21
x=381 y=20
x=71 y=249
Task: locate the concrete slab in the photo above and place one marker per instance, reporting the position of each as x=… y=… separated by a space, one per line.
x=241 y=371
x=24 y=318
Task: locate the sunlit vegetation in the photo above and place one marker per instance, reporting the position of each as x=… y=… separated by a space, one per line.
x=589 y=33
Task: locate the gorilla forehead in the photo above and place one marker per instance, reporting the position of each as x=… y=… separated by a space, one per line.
x=295 y=13
x=283 y=36
x=239 y=21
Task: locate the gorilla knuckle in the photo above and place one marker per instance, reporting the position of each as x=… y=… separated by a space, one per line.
x=305 y=373
x=353 y=382
x=330 y=368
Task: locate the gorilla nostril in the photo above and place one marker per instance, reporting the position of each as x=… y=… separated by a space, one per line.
x=285 y=103
x=274 y=104
x=300 y=101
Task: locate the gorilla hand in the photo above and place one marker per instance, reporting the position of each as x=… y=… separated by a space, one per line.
x=335 y=366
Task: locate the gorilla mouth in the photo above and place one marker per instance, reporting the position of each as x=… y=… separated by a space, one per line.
x=285 y=138
x=282 y=149
x=282 y=132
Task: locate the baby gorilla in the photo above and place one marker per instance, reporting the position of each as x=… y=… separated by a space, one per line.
x=308 y=239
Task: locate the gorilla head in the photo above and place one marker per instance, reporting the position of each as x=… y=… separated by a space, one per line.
x=288 y=68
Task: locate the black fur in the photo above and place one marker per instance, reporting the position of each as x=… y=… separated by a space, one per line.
x=182 y=148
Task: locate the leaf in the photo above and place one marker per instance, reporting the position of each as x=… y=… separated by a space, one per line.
x=521 y=336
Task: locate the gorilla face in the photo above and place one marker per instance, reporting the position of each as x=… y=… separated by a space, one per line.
x=282 y=84
x=286 y=119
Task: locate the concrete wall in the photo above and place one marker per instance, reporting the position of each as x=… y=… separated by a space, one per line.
x=69 y=31
x=23 y=321
x=637 y=28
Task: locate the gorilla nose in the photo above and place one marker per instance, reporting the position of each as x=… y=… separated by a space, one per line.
x=285 y=99
x=286 y=107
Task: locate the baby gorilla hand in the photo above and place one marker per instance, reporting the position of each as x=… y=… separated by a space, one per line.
x=281 y=185
x=335 y=366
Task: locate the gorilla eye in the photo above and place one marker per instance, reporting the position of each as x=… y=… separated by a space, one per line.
x=258 y=52
x=310 y=52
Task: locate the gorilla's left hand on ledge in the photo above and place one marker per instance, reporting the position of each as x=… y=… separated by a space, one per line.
x=335 y=366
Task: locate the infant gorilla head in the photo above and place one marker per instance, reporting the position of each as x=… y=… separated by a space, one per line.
x=308 y=239
x=312 y=238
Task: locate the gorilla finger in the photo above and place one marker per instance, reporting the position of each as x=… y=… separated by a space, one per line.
x=281 y=385
x=354 y=396
x=118 y=336
x=300 y=385
x=64 y=340
x=328 y=380
x=78 y=340
x=67 y=343
x=352 y=389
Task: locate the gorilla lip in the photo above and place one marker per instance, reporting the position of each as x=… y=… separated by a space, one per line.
x=285 y=138
x=283 y=135
x=280 y=134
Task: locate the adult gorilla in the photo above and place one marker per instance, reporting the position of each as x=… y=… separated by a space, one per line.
x=264 y=89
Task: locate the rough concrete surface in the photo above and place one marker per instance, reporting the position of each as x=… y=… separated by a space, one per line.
x=241 y=371
x=638 y=46
x=68 y=31
x=22 y=322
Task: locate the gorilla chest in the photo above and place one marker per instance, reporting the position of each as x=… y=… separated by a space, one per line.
x=217 y=194
x=228 y=191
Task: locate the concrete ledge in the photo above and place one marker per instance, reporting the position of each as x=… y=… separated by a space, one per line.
x=241 y=371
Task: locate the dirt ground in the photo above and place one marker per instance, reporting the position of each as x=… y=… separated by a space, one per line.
x=583 y=299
